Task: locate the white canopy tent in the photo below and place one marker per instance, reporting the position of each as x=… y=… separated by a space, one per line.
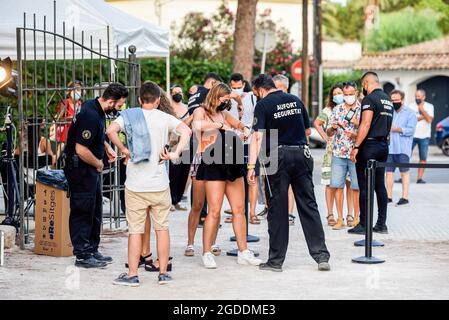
x=92 y=17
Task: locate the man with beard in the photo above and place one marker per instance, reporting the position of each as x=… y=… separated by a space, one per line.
x=83 y=166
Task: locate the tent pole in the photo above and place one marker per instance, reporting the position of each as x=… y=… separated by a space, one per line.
x=167 y=67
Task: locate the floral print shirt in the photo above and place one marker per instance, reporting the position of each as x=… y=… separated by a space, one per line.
x=342 y=142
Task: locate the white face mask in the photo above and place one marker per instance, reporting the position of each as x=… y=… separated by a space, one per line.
x=238 y=91
x=350 y=100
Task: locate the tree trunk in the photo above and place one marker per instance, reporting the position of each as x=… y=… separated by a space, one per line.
x=245 y=30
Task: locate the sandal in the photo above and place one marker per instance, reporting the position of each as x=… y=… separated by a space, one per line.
x=150 y=267
x=350 y=221
x=339 y=225
x=189 y=252
x=263 y=213
x=216 y=251
x=142 y=261
x=228 y=220
x=254 y=220
x=331 y=220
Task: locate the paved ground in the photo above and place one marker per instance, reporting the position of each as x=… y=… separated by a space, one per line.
x=416 y=254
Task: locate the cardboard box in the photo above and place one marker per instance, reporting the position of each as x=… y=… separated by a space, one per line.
x=52 y=236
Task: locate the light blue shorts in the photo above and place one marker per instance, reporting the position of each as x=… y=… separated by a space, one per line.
x=340 y=169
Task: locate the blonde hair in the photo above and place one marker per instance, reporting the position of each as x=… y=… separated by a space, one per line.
x=217 y=91
x=165 y=104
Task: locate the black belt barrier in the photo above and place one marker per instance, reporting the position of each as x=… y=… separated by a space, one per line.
x=368 y=242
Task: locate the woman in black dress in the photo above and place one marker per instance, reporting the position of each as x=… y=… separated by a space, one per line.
x=221 y=168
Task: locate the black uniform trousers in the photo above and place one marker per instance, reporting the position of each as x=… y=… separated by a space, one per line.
x=377 y=150
x=294 y=169
x=86 y=210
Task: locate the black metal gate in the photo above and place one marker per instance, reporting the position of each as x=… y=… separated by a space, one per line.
x=47 y=86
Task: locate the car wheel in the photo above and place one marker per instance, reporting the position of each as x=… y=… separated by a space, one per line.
x=445 y=146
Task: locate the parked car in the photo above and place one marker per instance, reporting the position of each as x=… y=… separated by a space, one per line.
x=442 y=135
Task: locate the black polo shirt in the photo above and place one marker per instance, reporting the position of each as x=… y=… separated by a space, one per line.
x=380 y=103
x=197 y=99
x=88 y=129
x=285 y=113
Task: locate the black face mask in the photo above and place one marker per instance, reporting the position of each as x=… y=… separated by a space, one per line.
x=418 y=101
x=397 y=105
x=111 y=113
x=365 y=93
x=224 y=106
x=177 y=97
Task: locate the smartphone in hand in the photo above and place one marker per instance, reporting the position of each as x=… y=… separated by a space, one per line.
x=167 y=150
x=350 y=115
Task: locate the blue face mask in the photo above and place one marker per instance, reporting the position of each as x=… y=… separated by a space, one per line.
x=77 y=96
x=338 y=99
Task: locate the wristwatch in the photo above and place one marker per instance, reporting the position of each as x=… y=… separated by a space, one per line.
x=356 y=147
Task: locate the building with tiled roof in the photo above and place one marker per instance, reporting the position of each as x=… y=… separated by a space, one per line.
x=420 y=66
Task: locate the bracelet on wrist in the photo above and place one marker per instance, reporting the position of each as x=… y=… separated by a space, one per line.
x=251 y=166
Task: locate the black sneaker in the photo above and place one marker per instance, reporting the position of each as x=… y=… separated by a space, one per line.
x=124 y=280
x=184 y=198
x=359 y=229
x=268 y=266
x=398 y=181
x=90 y=262
x=390 y=201
x=164 y=278
x=380 y=229
x=420 y=181
x=97 y=255
x=402 y=202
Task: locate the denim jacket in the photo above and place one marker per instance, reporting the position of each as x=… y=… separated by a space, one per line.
x=137 y=135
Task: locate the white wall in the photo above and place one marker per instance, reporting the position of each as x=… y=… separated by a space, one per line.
x=341 y=51
x=408 y=80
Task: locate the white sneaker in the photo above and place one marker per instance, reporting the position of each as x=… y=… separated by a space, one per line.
x=209 y=261
x=247 y=257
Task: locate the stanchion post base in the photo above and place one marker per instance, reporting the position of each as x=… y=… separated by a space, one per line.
x=234 y=253
x=249 y=238
x=367 y=260
x=375 y=243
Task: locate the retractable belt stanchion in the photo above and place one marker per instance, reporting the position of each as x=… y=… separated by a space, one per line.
x=370 y=174
x=368 y=258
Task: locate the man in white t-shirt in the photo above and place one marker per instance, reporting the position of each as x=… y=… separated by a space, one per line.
x=147 y=183
x=424 y=113
x=245 y=102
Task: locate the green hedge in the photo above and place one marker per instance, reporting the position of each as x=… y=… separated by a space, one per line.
x=183 y=72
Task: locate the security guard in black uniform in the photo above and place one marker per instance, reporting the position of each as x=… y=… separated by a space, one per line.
x=83 y=157
x=372 y=143
x=286 y=114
